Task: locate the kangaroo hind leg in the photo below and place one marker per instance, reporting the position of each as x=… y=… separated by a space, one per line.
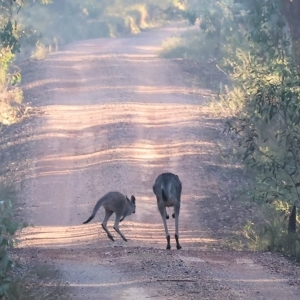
x=176 y=213
x=163 y=214
x=108 y=213
x=116 y=227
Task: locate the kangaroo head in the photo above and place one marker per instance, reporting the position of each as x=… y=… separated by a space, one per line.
x=132 y=200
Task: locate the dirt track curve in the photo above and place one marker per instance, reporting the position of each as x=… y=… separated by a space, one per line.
x=115 y=116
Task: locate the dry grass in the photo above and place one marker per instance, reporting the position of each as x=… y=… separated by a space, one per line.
x=40 y=52
x=39 y=283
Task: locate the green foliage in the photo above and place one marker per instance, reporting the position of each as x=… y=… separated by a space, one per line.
x=185 y=46
x=271 y=235
x=269 y=133
x=8 y=38
x=223 y=23
x=49 y=287
x=268 y=119
x=8 y=228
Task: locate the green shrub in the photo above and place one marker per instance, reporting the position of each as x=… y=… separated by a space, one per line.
x=38 y=283
x=190 y=45
x=8 y=228
x=271 y=234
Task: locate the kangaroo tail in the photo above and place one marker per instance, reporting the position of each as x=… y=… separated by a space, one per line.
x=96 y=208
x=165 y=198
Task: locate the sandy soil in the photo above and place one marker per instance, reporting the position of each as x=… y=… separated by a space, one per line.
x=114 y=116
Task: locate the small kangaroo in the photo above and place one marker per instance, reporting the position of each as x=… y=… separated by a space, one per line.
x=167 y=189
x=114 y=202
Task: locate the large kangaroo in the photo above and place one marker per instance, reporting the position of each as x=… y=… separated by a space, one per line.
x=167 y=188
x=114 y=202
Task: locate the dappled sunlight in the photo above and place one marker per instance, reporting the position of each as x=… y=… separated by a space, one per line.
x=163 y=90
x=108 y=284
x=134 y=153
x=73 y=125
x=258 y=280
x=137 y=233
x=154 y=90
x=138 y=154
x=78 y=57
x=149 y=115
x=39 y=83
x=148 y=48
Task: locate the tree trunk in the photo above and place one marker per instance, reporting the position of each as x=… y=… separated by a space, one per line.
x=291 y=9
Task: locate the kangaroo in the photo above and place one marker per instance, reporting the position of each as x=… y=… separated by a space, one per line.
x=114 y=202
x=167 y=189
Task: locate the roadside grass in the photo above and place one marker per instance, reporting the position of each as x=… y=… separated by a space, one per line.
x=193 y=50
x=21 y=276
x=257 y=226
x=22 y=279
x=39 y=283
x=188 y=45
x=40 y=52
x=271 y=234
x=265 y=225
x=12 y=108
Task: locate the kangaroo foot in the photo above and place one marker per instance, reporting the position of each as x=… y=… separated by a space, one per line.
x=168 y=241
x=177 y=242
x=107 y=232
x=120 y=233
x=111 y=237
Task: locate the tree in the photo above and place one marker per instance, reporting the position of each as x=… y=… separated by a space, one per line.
x=291 y=10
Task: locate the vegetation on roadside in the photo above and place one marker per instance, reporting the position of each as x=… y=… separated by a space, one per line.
x=39 y=283
x=8 y=228
x=256 y=45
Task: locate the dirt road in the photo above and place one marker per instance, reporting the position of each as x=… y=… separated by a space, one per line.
x=115 y=116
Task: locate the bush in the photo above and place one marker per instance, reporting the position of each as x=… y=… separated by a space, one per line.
x=272 y=234
x=8 y=228
x=38 y=283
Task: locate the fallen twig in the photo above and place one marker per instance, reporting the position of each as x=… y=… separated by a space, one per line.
x=182 y=280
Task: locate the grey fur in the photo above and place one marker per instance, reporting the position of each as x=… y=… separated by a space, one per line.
x=167 y=189
x=114 y=202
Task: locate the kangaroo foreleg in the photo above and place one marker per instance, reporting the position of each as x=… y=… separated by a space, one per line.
x=108 y=213
x=123 y=217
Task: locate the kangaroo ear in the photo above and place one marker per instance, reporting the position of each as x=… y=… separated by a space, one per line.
x=133 y=199
x=126 y=197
